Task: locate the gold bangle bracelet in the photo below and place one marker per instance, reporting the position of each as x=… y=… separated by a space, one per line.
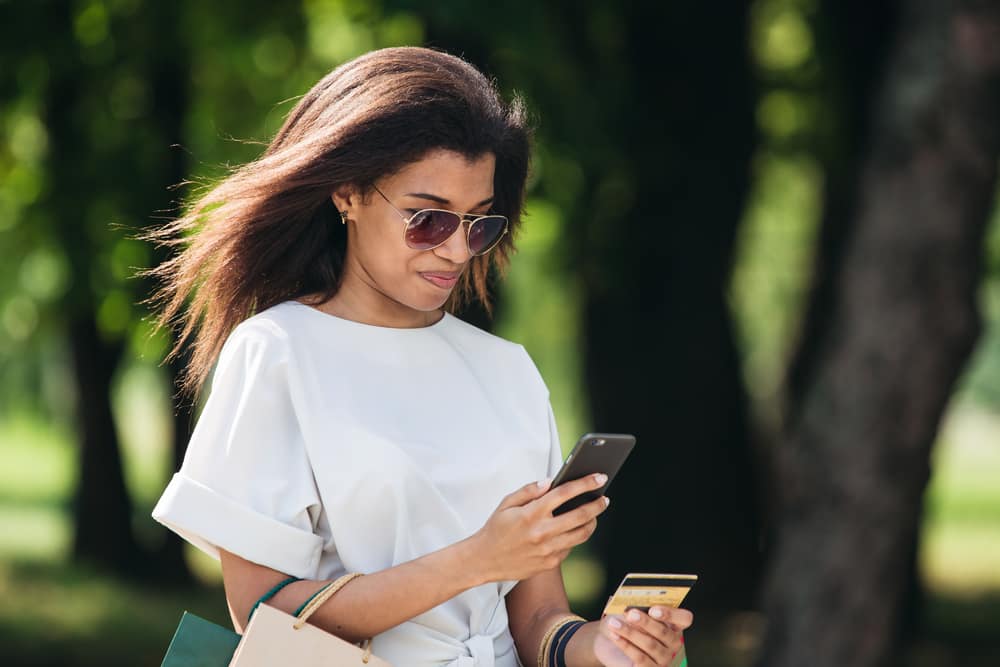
x=543 y=650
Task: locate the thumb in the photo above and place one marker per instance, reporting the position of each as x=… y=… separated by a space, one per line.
x=526 y=494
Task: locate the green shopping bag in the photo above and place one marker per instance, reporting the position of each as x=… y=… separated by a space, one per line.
x=201 y=643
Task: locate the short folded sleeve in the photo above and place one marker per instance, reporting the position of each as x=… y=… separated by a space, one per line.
x=246 y=484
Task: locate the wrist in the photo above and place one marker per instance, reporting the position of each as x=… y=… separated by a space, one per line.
x=556 y=640
x=471 y=562
x=580 y=648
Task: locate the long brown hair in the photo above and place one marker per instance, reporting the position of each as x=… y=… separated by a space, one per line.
x=270 y=232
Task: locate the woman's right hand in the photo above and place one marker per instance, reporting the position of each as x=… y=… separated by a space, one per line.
x=522 y=537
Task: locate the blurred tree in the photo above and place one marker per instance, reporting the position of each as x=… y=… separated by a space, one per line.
x=645 y=137
x=660 y=355
x=168 y=71
x=87 y=139
x=113 y=106
x=116 y=93
x=890 y=326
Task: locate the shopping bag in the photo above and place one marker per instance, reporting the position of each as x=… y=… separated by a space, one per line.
x=200 y=643
x=273 y=639
x=276 y=638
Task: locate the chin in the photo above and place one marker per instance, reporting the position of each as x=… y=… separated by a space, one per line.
x=426 y=303
x=429 y=299
x=435 y=304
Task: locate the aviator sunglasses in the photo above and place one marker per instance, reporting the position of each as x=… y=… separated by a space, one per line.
x=430 y=227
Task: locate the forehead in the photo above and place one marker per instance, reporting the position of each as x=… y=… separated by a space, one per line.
x=461 y=180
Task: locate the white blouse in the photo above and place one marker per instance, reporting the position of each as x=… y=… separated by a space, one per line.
x=329 y=446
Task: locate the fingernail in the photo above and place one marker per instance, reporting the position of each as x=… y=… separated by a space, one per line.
x=673 y=655
x=542 y=483
x=601 y=478
x=633 y=615
x=615 y=623
x=656 y=612
x=607 y=501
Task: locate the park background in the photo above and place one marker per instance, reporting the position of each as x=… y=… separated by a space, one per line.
x=763 y=237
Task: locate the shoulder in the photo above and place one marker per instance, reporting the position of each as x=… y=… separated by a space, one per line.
x=506 y=356
x=470 y=335
x=264 y=336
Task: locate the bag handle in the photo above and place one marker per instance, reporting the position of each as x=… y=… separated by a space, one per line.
x=270 y=594
x=319 y=598
x=324 y=594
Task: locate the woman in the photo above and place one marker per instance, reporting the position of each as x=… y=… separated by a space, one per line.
x=354 y=424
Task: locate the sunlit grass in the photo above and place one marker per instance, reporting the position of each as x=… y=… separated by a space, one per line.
x=960 y=550
x=36 y=460
x=142 y=410
x=71 y=616
x=36 y=533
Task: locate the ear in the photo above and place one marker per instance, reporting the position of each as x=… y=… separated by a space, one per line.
x=347 y=199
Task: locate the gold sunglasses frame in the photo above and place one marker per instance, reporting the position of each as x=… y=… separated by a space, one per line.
x=462 y=217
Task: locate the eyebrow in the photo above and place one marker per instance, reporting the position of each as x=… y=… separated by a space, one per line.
x=442 y=200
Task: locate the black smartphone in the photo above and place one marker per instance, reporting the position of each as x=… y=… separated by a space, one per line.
x=593 y=453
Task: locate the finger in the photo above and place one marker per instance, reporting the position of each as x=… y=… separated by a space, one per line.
x=564 y=492
x=663 y=633
x=680 y=618
x=614 y=630
x=605 y=627
x=582 y=515
x=525 y=494
x=575 y=537
x=656 y=648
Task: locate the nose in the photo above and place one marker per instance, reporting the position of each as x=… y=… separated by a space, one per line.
x=456 y=248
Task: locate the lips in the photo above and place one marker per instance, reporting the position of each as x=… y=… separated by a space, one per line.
x=442 y=279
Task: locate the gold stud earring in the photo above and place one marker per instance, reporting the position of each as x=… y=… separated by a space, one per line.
x=343 y=217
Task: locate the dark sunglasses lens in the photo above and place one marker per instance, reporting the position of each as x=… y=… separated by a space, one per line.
x=428 y=229
x=486 y=232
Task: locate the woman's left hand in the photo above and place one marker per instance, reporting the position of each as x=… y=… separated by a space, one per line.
x=642 y=639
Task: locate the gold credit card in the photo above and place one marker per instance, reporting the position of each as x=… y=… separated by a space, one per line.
x=641 y=590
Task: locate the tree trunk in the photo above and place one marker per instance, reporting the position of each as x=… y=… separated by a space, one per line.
x=902 y=320
x=103 y=532
x=170 y=73
x=660 y=355
x=102 y=511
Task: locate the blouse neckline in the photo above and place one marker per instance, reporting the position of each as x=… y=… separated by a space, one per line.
x=439 y=324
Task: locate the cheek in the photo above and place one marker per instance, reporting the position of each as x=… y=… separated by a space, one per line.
x=388 y=264
x=382 y=252
x=394 y=267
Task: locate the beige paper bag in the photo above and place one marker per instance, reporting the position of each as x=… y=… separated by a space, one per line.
x=276 y=638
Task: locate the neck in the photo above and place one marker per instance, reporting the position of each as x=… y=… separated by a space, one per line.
x=360 y=300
